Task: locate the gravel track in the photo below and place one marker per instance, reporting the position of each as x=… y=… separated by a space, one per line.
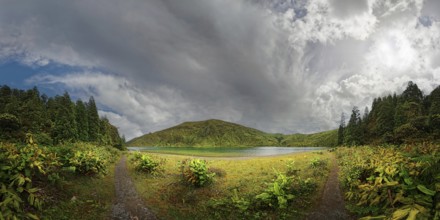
x=128 y=204
x=332 y=205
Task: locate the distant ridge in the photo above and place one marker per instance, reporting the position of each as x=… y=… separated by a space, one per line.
x=218 y=133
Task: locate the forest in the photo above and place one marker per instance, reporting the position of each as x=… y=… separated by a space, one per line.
x=52 y=120
x=410 y=117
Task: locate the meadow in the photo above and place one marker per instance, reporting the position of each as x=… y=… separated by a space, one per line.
x=275 y=187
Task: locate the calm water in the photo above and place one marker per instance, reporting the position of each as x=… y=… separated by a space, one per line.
x=242 y=152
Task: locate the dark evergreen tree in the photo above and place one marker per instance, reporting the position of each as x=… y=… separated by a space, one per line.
x=385 y=119
x=65 y=128
x=341 y=130
x=93 y=120
x=353 y=134
x=82 y=121
x=52 y=120
x=434 y=113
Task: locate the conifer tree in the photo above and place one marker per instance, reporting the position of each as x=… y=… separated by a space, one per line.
x=341 y=130
x=352 y=134
x=93 y=120
x=81 y=120
x=65 y=128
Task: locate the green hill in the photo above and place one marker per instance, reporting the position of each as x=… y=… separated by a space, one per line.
x=217 y=133
x=213 y=133
x=325 y=138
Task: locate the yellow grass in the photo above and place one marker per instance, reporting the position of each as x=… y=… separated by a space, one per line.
x=170 y=198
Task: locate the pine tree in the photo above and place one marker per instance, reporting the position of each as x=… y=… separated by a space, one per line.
x=434 y=113
x=93 y=120
x=353 y=134
x=65 y=128
x=82 y=121
x=341 y=130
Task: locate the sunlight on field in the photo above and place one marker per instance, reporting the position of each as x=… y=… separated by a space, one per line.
x=169 y=197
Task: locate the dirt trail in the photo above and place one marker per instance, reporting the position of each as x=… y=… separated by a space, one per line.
x=331 y=206
x=128 y=204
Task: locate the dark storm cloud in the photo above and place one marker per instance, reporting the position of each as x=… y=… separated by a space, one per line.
x=282 y=66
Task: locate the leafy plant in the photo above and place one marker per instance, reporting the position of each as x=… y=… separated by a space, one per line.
x=277 y=193
x=196 y=172
x=318 y=163
x=291 y=169
x=404 y=185
x=22 y=169
x=145 y=163
x=88 y=162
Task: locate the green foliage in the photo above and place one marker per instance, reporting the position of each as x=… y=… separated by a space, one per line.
x=291 y=169
x=55 y=120
x=28 y=173
x=399 y=119
x=22 y=170
x=278 y=193
x=284 y=190
x=216 y=133
x=9 y=125
x=320 y=139
x=393 y=182
x=353 y=132
x=146 y=163
x=318 y=163
x=195 y=172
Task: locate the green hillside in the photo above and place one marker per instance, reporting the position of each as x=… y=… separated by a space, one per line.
x=325 y=138
x=217 y=133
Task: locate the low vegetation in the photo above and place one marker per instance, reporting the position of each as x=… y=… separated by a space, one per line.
x=33 y=177
x=146 y=163
x=392 y=182
x=260 y=188
x=195 y=172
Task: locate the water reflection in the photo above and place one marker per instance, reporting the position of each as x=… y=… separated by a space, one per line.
x=243 y=152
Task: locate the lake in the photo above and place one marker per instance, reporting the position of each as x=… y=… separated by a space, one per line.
x=227 y=151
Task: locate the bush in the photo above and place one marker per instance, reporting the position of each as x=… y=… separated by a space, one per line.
x=22 y=170
x=87 y=159
x=195 y=172
x=277 y=193
x=291 y=170
x=391 y=182
x=145 y=163
x=318 y=163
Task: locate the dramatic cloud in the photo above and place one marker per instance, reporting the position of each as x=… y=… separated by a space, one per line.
x=280 y=66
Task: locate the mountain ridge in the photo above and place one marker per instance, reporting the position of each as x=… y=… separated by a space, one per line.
x=219 y=133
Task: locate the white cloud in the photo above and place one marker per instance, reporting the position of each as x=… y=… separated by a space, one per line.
x=276 y=65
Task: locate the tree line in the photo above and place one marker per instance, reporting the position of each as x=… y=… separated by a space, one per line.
x=53 y=120
x=394 y=119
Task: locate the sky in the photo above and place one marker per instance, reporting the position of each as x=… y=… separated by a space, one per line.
x=278 y=66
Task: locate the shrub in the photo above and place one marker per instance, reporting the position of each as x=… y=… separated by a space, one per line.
x=145 y=163
x=195 y=172
x=318 y=163
x=391 y=182
x=22 y=168
x=88 y=159
x=291 y=170
x=277 y=193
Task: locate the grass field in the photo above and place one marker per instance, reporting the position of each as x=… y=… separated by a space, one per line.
x=236 y=179
x=84 y=197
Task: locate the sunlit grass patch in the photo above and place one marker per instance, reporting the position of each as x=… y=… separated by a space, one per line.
x=242 y=178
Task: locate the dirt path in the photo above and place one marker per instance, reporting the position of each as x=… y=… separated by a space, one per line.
x=128 y=204
x=331 y=206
